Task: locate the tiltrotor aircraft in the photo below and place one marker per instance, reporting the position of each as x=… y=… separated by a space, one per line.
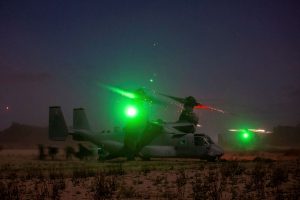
x=141 y=137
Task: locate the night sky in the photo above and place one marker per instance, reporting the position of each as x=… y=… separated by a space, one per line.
x=241 y=56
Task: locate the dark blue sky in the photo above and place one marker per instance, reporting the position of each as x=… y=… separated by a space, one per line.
x=242 y=56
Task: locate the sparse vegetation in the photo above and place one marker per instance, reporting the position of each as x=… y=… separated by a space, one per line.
x=127 y=192
x=33 y=174
x=233 y=168
x=145 y=169
x=278 y=177
x=83 y=173
x=117 y=170
x=104 y=186
x=181 y=181
x=58 y=186
x=260 y=159
x=258 y=180
x=9 y=190
x=200 y=189
x=41 y=190
x=55 y=174
x=163 y=179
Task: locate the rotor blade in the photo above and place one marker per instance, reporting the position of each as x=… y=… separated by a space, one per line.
x=178 y=99
x=157 y=101
x=198 y=106
x=201 y=106
x=139 y=94
x=122 y=92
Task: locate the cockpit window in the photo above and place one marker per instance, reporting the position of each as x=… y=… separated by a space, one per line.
x=209 y=140
x=200 y=141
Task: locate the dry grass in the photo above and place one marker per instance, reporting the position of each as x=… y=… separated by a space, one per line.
x=26 y=177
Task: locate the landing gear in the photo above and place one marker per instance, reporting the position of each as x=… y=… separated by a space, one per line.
x=144 y=157
x=102 y=154
x=212 y=158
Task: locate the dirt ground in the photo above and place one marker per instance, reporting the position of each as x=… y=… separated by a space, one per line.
x=251 y=175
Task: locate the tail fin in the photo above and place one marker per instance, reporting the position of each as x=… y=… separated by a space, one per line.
x=80 y=120
x=57 y=126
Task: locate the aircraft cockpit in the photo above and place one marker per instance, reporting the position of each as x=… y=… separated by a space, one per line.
x=202 y=140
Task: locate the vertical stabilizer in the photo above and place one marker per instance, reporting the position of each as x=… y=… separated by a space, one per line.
x=80 y=120
x=57 y=126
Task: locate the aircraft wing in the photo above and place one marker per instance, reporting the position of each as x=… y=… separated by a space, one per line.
x=152 y=131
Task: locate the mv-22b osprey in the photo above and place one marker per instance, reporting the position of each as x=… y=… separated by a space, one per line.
x=141 y=137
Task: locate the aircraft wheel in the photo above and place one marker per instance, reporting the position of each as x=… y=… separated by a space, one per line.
x=102 y=155
x=212 y=158
x=218 y=159
x=130 y=158
x=146 y=158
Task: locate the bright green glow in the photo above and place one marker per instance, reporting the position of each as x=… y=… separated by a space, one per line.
x=245 y=135
x=121 y=92
x=151 y=80
x=131 y=111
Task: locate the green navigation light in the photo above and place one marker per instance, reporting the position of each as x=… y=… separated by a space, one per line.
x=131 y=111
x=245 y=135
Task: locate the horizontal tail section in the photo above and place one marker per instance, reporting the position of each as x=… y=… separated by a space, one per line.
x=57 y=126
x=80 y=120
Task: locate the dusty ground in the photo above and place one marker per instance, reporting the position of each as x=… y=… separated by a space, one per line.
x=255 y=175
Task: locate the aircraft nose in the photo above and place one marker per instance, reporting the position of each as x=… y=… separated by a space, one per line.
x=215 y=150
